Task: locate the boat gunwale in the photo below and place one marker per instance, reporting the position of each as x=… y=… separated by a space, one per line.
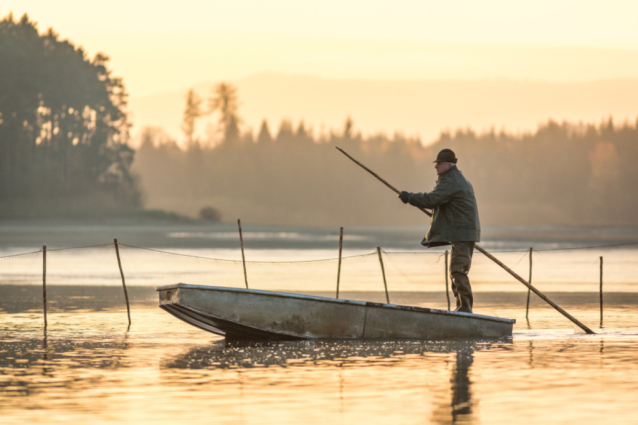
x=335 y=300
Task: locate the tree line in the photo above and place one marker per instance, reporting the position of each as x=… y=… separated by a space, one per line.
x=64 y=144
x=63 y=126
x=562 y=173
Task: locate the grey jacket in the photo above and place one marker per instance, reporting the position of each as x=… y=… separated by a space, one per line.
x=455 y=217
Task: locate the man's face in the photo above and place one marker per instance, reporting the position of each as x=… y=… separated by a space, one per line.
x=442 y=167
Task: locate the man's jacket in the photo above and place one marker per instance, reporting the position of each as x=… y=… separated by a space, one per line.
x=455 y=213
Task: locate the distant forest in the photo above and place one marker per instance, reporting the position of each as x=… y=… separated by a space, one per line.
x=63 y=127
x=564 y=173
x=64 y=148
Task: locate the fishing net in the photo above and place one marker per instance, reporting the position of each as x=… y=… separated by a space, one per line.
x=363 y=275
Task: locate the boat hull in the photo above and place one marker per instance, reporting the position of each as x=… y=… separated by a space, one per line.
x=253 y=314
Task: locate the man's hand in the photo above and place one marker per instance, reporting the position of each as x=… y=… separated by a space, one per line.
x=404 y=196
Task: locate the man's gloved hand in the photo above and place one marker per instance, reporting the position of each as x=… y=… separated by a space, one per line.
x=404 y=196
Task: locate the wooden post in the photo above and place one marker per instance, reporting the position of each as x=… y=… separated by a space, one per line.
x=339 y=267
x=385 y=284
x=119 y=263
x=447 y=289
x=529 y=291
x=601 y=291
x=44 y=283
x=243 y=257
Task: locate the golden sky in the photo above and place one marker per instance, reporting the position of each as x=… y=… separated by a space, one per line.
x=162 y=45
x=167 y=46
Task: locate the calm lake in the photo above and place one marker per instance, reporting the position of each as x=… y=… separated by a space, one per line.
x=89 y=368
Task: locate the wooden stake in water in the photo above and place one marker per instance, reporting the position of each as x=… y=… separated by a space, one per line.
x=243 y=258
x=339 y=267
x=529 y=291
x=447 y=289
x=385 y=284
x=44 y=283
x=119 y=263
x=601 y=292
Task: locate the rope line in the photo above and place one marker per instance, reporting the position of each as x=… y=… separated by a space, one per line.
x=397 y=269
x=351 y=257
x=77 y=248
x=24 y=254
x=324 y=260
x=586 y=247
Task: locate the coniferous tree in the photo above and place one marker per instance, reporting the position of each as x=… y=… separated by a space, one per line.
x=63 y=124
x=224 y=99
x=264 y=137
x=192 y=112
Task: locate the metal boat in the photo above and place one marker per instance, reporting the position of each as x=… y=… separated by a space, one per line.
x=254 y=314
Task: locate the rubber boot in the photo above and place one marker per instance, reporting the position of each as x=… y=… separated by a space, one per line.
x=465 y=304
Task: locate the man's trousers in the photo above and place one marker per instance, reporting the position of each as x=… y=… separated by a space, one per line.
x=459 y=269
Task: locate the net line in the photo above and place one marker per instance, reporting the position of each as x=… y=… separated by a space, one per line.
x=79 y=248
x=576 y=248
x=24 y=254
x=222 y=260
x=351 y=257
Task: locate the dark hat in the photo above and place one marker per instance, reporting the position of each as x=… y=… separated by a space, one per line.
x=446 y=155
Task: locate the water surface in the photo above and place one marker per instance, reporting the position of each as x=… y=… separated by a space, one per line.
x=88 y=367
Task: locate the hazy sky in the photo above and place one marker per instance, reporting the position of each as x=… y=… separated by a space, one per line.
x=159 y=46
x=165 y=47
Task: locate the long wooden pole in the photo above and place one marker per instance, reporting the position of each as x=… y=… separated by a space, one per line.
x=339 y=267
x=447 y=289
x=119 y=263
x=243 y=257
x=529 y=291
x=487 y=254
x=536 y=291
x=385 y=284
x=44 y=284
x=601 y=291
x=378 y=178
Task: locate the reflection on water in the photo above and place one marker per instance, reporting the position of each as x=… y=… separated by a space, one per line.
x=89 y=369
x=461 y=398
x=340 y=354
x=246 y=354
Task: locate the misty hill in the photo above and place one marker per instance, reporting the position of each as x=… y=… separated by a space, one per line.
x=416 y=108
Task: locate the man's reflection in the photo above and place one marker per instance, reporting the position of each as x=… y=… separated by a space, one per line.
x=461 y=398
x=461 y=394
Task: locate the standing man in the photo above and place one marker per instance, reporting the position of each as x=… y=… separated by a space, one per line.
x=455 y=221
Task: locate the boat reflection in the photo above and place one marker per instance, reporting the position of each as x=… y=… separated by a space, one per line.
x=248 y=355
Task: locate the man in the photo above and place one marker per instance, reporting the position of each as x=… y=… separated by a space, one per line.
x=455 y=221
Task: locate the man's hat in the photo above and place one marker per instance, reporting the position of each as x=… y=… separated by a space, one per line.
x=446 y=155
